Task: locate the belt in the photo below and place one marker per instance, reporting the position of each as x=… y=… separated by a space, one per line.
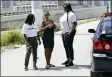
x=32 y=37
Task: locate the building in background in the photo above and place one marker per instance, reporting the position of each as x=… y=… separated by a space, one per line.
x=50 y=4
x=6 y=6
x=85 y=2
x=22 y=7
x=19 y=3
x=9 y=7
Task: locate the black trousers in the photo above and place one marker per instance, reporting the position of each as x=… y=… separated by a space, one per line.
x=68 y=44
x=31 y=48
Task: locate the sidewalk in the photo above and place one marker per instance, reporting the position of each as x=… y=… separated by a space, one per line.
x=12 y=62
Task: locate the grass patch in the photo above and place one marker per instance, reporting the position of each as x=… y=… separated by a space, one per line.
x=11 y=38
x=87 y=21
x=14 y=27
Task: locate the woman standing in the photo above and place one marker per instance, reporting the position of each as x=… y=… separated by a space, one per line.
x=68 y=25
x=48 y=27
x=30 y=32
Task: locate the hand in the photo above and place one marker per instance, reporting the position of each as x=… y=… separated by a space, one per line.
x=28 y=44
x=44 y=28
x=67 y=34
x=50 y=25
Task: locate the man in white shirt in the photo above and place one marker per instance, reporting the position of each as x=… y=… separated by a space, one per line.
x=68 y=25
x=30 y=32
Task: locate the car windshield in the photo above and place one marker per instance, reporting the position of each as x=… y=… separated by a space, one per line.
x=107 y=26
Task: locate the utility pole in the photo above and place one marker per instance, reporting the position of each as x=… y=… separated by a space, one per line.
x=107 y=7
x=110 y=5
x=37 y=11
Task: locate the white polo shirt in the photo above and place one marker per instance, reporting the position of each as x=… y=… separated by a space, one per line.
x=63 y=21
x=30 y=30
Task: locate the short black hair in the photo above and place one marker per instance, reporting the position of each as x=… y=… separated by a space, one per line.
x=30 y=19
x=67 y=6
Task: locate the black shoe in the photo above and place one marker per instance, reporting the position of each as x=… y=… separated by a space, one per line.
x=26 y=68
x=65 y=62
x=35 y=67
x=69 y=64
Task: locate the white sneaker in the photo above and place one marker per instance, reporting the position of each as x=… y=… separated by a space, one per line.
x=51 y=65
x=47 y=67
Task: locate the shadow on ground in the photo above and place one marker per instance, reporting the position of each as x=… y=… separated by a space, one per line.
x=61 y=68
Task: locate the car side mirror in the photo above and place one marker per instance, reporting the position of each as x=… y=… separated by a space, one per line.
x=91 y=31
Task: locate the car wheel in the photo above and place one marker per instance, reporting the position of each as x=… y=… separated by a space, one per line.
x=101 y=74
x=106 y=74
x=94 y=74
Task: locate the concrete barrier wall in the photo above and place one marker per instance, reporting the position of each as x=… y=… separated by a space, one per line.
x=80 y=13
x=16 y=20
x=14 y=17
x=55 y=15
x=90 y=12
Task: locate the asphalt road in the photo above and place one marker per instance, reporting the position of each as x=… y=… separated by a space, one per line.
x=12 y=61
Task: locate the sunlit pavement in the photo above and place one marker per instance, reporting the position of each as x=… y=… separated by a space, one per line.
x=12 y=61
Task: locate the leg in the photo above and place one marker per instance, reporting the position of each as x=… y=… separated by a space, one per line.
x=71 y=52
x=65 y=46
x=66 y=49
x=34 y=51
x=51 y=48
x=51 y=65
x=28 y=53
x=69 y=42
x=47 y=55
x=46 y=48
x=70 y=45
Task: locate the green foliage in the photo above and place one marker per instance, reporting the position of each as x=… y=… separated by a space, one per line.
x=14 y=27
x=58 y=27
x=11 y=38
x=87 y=21
x=11 y=27
x=19 y=27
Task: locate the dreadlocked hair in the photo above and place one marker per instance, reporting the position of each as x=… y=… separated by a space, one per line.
x=68 y=8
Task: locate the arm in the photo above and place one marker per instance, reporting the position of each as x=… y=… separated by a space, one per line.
x=73 y=27
x=24 y=32
x=38 y=37
x=73 y=19
x=26 y=39
x=43 y=27
x=53 y=25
